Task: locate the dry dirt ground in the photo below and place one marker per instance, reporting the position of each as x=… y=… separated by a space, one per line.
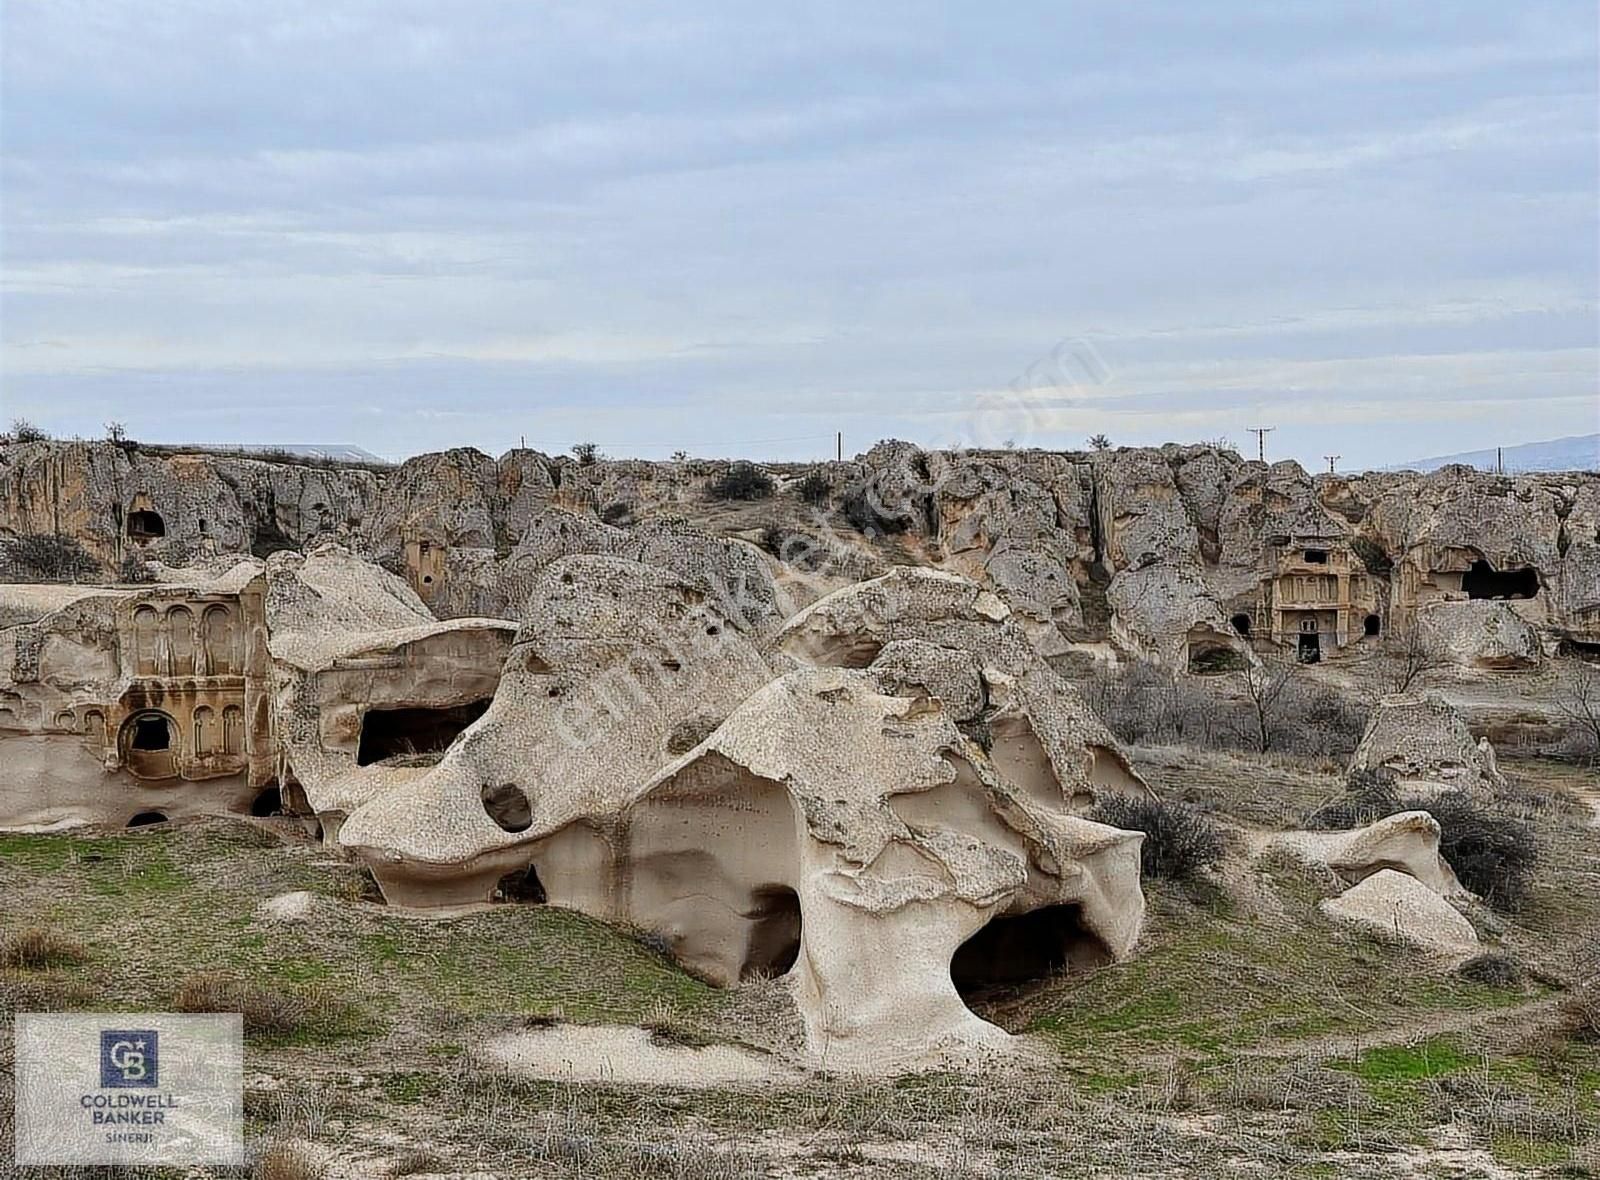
x=1248 y=1037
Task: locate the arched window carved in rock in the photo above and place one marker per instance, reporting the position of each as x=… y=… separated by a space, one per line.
x=146 y=641
x=219 y=641
x=181 y=641
x=206 y=737
x=233 y=730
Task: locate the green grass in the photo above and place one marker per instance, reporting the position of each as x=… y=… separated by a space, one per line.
x=1406 y=1063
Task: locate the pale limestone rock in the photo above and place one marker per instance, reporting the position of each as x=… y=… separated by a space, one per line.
x=1399 y=906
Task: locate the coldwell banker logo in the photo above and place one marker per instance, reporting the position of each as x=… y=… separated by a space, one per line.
x=157 y=1088
x=129 y=1057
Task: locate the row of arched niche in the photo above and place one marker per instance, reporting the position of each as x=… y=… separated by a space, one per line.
x=175 y=644
x=154 y=729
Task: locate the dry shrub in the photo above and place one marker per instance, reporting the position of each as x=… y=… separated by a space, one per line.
x=1580 y=1014
x=742 y=481
x=1492 y=970
x=417 y=1163
x=1180 y=843
x=269 y=1013
x=35 y=948
x=1492 y=851
x=288 y=1161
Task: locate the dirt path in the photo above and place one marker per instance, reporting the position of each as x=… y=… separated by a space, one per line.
x=1533 y=1015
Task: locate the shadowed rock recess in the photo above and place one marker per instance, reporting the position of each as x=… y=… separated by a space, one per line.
x=819 y=737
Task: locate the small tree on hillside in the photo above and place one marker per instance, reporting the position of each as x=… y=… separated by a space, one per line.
x=587 y=453
x=1265 y=689
x=1413 y=657
x=1578 y=699
x=1099 y=442
x=24 y=431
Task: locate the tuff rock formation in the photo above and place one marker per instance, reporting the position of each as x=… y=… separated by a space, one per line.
x=877 y=801
x=1396 y=905
x=1424 y=741
x=1310 y=563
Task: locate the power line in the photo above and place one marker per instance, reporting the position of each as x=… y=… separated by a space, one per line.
x=747 y=442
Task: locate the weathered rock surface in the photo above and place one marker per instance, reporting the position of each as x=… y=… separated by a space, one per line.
x=1479 y=634
x=1406 y=842
x=1420 y=737
x=1399 y=906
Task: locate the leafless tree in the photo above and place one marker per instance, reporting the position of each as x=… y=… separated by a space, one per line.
x=1578 y=699
x=1265 y=689
x=1413 y=656
x=1099 y=442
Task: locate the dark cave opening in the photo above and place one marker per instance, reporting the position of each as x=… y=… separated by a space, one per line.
x=774 y=935
x=267 y=802
x=1371 y=625
x=1241 y=624
x=145 y=818
x=1482 y=580
x=145 y=525
x=151 y=732
x=1019 y=951
x=521 y=887
x=390 y=733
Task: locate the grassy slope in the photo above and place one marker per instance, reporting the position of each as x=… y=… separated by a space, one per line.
x=1248 y=1030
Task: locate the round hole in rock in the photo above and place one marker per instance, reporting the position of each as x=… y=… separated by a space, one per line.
x=151 y=732
x=268 y=802
x=1241 y=624
x=508 y=807
x=774 y=943
x=427 y=579
x=145 y=818
x=521 y=887
x=1020 y=951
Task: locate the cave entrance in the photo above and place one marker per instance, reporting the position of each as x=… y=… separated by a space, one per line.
x=1241 y=624
x=145 y=818
x=521 y=887
x=1371 y=625
x=414 y=733
x=145 y=525
x=1022 y=951
x=1482 y=580
x=152 y=731
x=267 y=803
x=774 y=933
x=1309 y=650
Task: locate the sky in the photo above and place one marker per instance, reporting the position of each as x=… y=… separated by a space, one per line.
x=736 y=229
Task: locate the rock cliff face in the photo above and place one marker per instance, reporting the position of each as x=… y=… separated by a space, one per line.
x=1173 y=553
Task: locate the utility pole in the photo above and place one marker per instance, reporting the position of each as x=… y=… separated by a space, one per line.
x=1499 y=461
x=838 y=446
x=1261 y=433
x=1332 y=459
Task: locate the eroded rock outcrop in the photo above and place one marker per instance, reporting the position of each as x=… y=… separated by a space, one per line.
x=1422 y=739
x=891 y=777
x=1396 y=905
x=368 y=686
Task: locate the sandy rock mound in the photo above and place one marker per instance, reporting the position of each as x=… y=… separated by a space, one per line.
x=1407 y=842
x=298 y=906
x=1419 y=736
x=1396 y=904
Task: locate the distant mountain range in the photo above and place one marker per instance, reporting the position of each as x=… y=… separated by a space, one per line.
x=1578 y=453
x=337 y=452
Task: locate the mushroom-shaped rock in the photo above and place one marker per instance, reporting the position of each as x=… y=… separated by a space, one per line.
x=1407 y=842
x=920 y=626
x=1398 y=905
x=1479 y=633
x=363 y=673
x=860 y=837
x=613 y=661
x=1420 y=737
